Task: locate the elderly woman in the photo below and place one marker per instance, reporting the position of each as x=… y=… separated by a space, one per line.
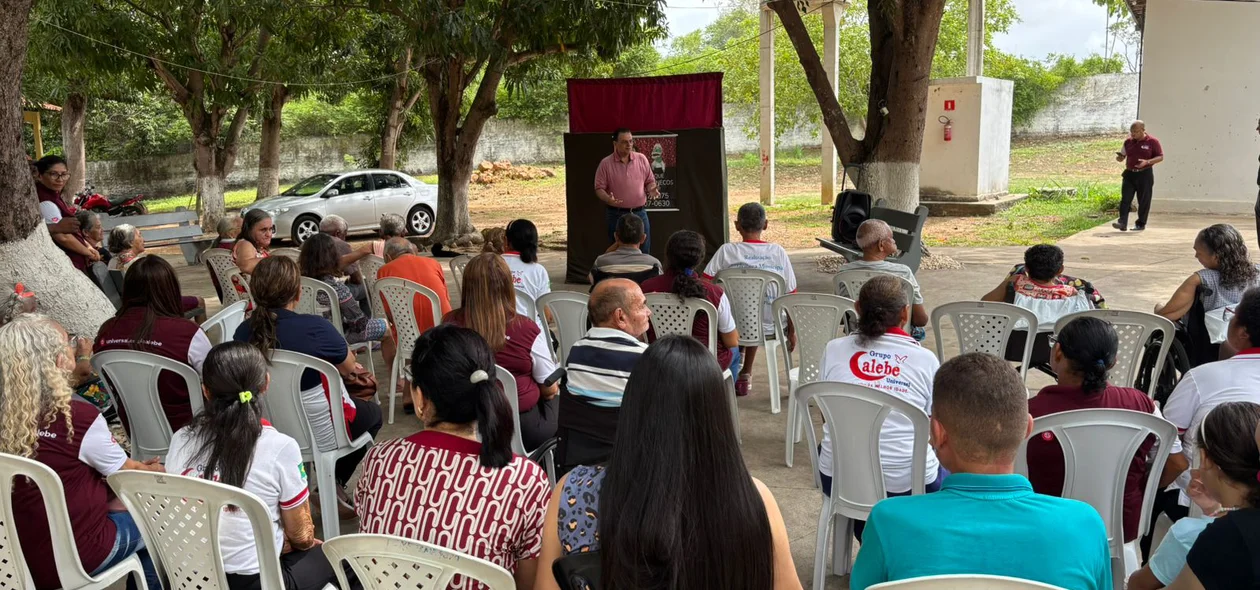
x=126 y=243
x=253 y=242
x=228 y=229
x=392 y=226
x=92 y=233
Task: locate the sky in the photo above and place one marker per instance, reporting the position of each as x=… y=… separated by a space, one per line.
x=1071 y=27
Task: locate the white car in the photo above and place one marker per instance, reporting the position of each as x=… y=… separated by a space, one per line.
x=361 y=197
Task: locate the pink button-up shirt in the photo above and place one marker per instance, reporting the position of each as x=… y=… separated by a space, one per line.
x=627 y=181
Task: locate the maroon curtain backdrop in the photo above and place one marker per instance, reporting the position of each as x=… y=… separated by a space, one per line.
x=692 y=101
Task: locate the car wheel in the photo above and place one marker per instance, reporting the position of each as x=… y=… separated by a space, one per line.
x=420 y=221
x=304 y=227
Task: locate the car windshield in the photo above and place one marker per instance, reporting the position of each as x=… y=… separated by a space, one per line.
x=310 y=186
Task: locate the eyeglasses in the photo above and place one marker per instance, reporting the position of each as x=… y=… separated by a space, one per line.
x=268 y=230
x=1052 y=339
x=57 y=175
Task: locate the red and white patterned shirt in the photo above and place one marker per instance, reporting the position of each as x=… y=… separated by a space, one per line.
x=432 y=487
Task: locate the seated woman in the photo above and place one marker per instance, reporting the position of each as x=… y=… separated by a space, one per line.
x=1224 y=554
x=319 y=261
x=1226 y=274
x=494 y=240
x=522 y=259
x=151 y=320
x=92 y=234
x=392 y=226
x=1085 y=350
x=684 y=255
x=676 y=506
x=456 y=483
x=276 y=286
x=229 y=228
x=253 y=243
x=126 y=244
x=42 y=420
x=883 y=308
x=489 y=308
x=231 y=443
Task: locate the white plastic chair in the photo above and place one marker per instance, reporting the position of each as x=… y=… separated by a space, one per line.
x=131 y=379
x=985 y=326
x=293 y=253
x=853 y=279
x=964 y=582
x=1134 y=329
x=507 y=384
x=457 y=265
x=219 y=263
x=386 y=562
x=856 y=415
x=179 y=518
x=750 y=290
x=818 y=319
x=1098 y=447
x=285 y=407
x=13 y=570
x=674 y=315
x=308 y=303
x=399 y=295
x=531 y=308
x=230 y=294
x=222 y=326
x=569 y=314
x=371 y=265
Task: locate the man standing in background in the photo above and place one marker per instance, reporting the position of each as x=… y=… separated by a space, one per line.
x=624 y=181
x=1140 y=154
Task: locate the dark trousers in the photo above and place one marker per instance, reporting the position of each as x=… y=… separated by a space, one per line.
x=1137 y=183
x=538 y=425
x=367 y=418
x=859 y=526
x=302 y=570
x=1258 y=215
x=1165 y=503
x=615 y=213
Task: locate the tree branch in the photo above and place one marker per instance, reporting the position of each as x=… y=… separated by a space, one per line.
x=182 y=95
x=483 y=105
x=524 y=56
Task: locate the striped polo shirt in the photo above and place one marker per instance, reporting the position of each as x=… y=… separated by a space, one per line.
x=600 y=364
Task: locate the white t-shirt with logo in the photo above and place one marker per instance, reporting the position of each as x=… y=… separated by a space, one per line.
x=895 y=364
x=759 y=255
x=276 y=475
x=1236 y=379
x=530 y=277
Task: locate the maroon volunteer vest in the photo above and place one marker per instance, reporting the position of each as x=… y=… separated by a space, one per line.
x=171 y=338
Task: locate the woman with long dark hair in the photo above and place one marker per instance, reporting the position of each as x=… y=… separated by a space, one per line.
x=684 y=253
x=1226 y=274
x=522 y=259
x=319 y=260
x=456 y=483
x=151 y=319
x=274 y=325
x=230 y=442
x=1083 y=353
x=675 y=507
x=253 y=243
x=488 y=307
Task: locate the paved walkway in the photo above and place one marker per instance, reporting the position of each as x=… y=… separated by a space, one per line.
x=1133 y=271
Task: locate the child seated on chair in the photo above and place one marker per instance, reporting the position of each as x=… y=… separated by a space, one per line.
x=229 y=442
x=875 y=238
x=753 y=252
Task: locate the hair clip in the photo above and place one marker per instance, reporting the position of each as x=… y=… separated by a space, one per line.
x=1102 y=364
x=478 y=376
x=246 y=396
x=20 y=291
x=690 y=272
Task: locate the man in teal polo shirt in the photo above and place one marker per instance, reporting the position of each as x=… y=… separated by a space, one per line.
x=985 y=519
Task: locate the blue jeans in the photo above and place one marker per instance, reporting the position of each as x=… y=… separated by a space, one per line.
x=128 y=542
x=860 y=525
x=736 y=359
x=614 y=213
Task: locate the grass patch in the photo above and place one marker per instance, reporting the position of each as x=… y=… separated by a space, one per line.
x=233 y=200
x=1035 y=220
x=791 y=158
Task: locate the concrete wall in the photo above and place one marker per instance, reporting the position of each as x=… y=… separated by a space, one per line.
x=1200 y=80
x=1094 y=105
x=502 y=139
x=976 y=161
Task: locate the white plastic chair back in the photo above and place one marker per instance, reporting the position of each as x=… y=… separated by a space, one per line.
x=399 y=295
x=853 y=279
x=219 y=262
x=370 y=266
x=230 y=294
x=674 y=315
x=856 y=416
x=526 y=306
x=179 y=518
x=818 y=319
x=131 y=378
x=751 y=292
x=222 y=326
x=507 y=383
x=964 y=582
x=309 y=303
x=14 y=573
x=293 y=253
x=385 y=562
x=1134 y=329
x=1098 y=447
x=569 y=313
x=985 y=326
x=457 y=265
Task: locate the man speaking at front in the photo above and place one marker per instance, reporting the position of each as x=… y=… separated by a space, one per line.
x=1140 y=154
x=624 y=182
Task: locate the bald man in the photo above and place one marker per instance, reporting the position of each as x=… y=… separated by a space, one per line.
x=1140 y=154
x=875 y=239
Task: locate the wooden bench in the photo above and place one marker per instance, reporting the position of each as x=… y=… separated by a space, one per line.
x=166 y=229
x=907 y=232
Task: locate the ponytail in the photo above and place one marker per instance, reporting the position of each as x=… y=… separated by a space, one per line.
x=683 y=254
x=494 y=425
x=1090 y=345
x=882 y=300
x=230 y=424
x=262 y=328
x=277 y=282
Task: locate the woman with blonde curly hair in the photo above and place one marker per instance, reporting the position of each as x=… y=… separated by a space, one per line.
x=40 y=419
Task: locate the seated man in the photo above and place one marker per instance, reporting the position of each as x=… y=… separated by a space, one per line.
x=598 y=367
x=336 y=226
x=753 y=252
x=625 y=258
x=875 y=239
x=985 y=519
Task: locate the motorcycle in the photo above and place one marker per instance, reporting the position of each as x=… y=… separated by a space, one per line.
x=91 y=200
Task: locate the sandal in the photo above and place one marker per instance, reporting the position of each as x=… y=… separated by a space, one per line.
x=741 y=386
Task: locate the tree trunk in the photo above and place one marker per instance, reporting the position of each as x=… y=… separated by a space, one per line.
x=454 y=223
x=269 y=151
x=389 y=137
x=27 y=254
x=396 y=111
x=73 y=117
x=211 y=180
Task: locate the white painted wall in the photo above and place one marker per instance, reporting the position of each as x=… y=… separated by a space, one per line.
x=1095 y=105
x=975 y=163
x=1200 y=96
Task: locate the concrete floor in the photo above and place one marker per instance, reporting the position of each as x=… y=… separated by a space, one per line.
x=1132 y=270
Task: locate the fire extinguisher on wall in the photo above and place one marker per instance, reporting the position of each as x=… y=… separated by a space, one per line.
x=949 y=127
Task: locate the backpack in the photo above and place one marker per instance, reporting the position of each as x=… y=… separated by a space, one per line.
x=851 y=209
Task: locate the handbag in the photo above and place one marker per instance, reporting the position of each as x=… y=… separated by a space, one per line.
x=360 y=384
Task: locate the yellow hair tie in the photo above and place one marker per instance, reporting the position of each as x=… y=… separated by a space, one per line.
x=246 y=396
